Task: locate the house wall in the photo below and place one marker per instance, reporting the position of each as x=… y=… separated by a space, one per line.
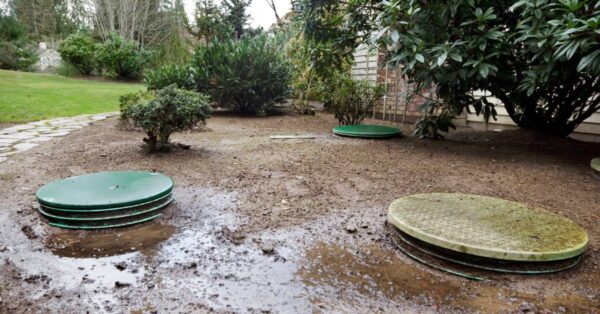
x=397 y=106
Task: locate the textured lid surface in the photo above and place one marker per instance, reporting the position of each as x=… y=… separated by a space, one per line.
x=105 y=190
x=366 y=130
x=488 y=227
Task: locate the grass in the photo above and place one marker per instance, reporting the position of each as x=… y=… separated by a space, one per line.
x=31 y=96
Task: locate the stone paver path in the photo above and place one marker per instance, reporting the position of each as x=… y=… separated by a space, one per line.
x=22 y=137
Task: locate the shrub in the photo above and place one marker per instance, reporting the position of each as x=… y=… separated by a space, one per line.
x=351 y=100
x=14 y=57
x=11 y=29
x=79 y=50
x=435 y=118
x=128 y=100
x=122 y=57
x=171 y=111
x=248 y=75
x=183 y=77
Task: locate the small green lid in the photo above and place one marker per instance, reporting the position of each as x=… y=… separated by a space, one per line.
x=367 y=131
x=105 y=190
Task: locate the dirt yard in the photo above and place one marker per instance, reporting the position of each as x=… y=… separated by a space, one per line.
x=286 y=226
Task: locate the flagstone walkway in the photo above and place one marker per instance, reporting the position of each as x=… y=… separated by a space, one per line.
x=22 y=137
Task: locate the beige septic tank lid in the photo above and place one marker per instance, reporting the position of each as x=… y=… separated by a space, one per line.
x=595 y=164
x=488 y=227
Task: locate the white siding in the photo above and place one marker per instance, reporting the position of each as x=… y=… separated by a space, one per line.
x=589 y=130
x=365 y=65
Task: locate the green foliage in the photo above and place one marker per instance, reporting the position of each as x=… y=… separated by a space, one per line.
x=236 y=16
x=171 y=111
x=126 y=101
x=221 y=21
x=540 y=58
x=181 y=76
x=248 y=75
x=352 y=100
x=123 y=57
x=11 y=29
x=79 y=50
x=311 y=79
x=15 y=57
x=46 y=19
x=209 y=21
x=176 y=51
x=435 y=119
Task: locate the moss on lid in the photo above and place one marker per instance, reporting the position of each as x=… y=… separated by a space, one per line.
x=488 y=227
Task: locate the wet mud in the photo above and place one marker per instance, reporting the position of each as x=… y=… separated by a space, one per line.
x=293 y=226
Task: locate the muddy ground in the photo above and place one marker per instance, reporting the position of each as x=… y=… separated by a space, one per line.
x=263 y=225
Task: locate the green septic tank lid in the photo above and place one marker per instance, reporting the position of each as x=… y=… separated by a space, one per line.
x=488 y=227
x=367 y=131
x=105 y=190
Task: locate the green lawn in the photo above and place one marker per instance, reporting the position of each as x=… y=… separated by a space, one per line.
x=31 y=96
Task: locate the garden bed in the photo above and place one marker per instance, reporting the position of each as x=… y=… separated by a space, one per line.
x=286 y=225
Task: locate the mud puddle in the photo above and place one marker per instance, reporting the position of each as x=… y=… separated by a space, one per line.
x=384 y=274
x=195 y=259
x=109 y=243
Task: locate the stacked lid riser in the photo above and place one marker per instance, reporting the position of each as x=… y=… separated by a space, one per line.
x=105 y=200
x=486 y=233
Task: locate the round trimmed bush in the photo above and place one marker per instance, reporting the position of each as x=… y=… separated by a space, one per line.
x=172 y=110
x=79 y=50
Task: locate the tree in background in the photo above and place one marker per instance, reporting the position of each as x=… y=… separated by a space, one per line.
x=44 y=19
x=130 y=19
x=176 y=42
x=209 y=19
x=179 y=14
x=15 y=49
x=236 y=16
x=11 y=29
x=318 y=64
x=540 y=58
x=228 y=20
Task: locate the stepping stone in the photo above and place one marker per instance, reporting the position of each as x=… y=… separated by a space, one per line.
x=44 y=129
x=41 y=123
x=19 y=136
x=8 y=141
x=23 y=127
x=40 y=139
x=21 y=147
x=8 y=153
x=9 y=131
x=57 y=134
